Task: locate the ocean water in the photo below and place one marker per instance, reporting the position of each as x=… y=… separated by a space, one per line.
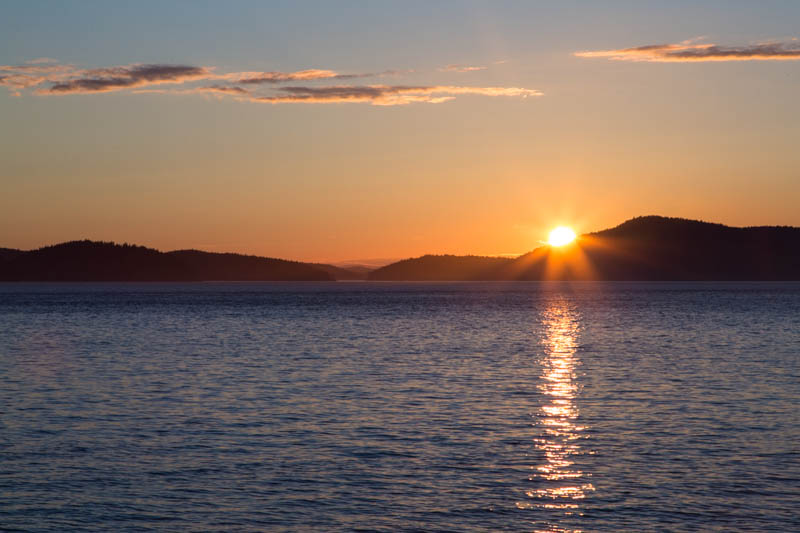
x=400 y=407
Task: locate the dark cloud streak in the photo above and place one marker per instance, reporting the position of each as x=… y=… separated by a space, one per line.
x=686 y=52
x=224 y=89
x=386 y=95
x=113 y=79
x=53 y=79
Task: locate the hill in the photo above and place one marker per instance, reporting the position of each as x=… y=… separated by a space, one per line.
x=647 y=248
x=208 y=266
x=641 y=249
x=8 y=253
x=441 y=268
x=660 y=248
x=106 y=261
x=342 y=273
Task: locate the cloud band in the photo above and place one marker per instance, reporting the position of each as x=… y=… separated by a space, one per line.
x=686 y=52
x=46 y=78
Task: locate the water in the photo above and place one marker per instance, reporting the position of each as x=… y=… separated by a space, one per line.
x=400 y=407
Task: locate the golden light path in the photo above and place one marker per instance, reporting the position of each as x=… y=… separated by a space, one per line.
x=560 y=236
x=559 y=484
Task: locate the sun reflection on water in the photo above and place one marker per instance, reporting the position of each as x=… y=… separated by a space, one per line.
x=559 y=484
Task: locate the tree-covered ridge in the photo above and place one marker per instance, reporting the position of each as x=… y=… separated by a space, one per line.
x=106 y=261
x=648 y=248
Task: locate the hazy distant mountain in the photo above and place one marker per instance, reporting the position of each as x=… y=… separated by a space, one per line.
x=359 y=269
x=105 y=261
x=441 y=268
x=354 y=273
x=644 y=248
x=368 y=264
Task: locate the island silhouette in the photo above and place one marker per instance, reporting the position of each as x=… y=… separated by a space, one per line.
x=105 y=261
x=649 y=248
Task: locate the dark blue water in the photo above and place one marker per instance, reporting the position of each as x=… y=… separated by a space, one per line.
x=400 y=407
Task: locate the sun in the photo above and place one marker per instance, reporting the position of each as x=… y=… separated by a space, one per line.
x=560 y=236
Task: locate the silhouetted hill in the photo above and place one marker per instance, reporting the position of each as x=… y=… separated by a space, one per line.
x=441 y=268
x=9 y=253
x=363 y=270
x=644 y=249
x=660 y=248
x=344 y=274
x=106 y=261
x=209 y=266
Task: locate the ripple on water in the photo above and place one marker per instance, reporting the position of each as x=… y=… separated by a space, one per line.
x=390 y=407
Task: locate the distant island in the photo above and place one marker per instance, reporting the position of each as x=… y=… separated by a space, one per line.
x=106 y=261
x=651 y=248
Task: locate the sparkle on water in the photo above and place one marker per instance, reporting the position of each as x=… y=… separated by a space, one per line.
x=560 y=236
x=562 y=485
x=550 y=407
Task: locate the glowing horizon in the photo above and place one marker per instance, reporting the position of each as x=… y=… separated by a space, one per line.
x=351 y=140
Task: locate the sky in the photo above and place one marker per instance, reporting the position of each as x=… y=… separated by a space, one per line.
x=335 y=131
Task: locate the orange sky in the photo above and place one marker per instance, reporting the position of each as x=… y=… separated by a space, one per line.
x=493 y=125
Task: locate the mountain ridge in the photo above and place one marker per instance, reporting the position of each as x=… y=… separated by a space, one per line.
x=87 y=260
x=645 y=248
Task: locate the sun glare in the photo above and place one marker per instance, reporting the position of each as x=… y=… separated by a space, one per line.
x=560 y=236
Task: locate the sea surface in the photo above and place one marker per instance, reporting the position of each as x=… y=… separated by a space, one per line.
x=400 y=407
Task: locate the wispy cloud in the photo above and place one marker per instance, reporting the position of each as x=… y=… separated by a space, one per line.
x=386 y=95
x=254 y=78
x=40 y=65
x=460 y=68
x=20 y=81
x=116 y=78
x=223 y=89
x=396 y=72
x=33 y=73
x=44 y=77
x=213 y=90
x=67 y=79
x=257 y=78
x=688 y=52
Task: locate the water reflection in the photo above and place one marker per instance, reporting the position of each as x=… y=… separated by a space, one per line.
x=559 y=484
